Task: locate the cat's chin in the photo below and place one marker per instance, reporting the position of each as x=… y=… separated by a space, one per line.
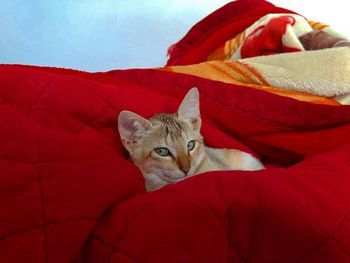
x=172 y=178
x=162 y=178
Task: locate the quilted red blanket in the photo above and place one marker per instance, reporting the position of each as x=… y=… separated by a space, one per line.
x=69 y=193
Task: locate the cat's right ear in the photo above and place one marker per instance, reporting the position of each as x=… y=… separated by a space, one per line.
x=132 y=126
x=189 y=108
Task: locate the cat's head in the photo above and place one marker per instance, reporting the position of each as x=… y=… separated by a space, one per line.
x=167 y=147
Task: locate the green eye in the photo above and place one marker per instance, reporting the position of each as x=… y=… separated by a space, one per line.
x=162 y=151
x=190 y=145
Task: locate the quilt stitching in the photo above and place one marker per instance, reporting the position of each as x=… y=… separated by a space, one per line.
x=43 y=204
x=41 y=95
x=227 y=216
x=191 y=199
x=341 y=246
x=215 y=238
x=114 y=250
x=230 y=242
x=111 y=106
x=329 y=237
x=35 y=227
x=311 y=250
x=9 y=235
x=44 y=219
x=307 y=215
x=101 y=116
x=117 y=242
x=342 y=222
x=85 y=126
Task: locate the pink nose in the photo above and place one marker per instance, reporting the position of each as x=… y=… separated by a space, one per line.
x=185 y=170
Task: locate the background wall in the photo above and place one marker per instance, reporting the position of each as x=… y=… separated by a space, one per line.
x=98 y=35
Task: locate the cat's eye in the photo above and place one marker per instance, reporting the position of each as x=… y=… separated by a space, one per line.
x=162 y=151
x=190 y=145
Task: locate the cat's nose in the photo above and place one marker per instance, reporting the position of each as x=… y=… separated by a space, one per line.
x=183 y=163
x=185 y=170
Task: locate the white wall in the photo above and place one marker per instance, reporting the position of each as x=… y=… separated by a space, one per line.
x=98 y=35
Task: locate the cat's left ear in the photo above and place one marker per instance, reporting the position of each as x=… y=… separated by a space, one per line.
x=189 y=108
x=132 y=127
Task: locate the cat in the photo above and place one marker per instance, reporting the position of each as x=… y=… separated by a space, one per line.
x=169 y=148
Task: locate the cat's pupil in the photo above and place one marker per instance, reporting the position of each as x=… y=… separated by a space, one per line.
x=190 y=145
x=162 y=151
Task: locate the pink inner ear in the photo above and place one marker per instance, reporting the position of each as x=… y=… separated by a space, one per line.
x=189 y=107
x=196 y=123
x=132 y=126
x=189 y=112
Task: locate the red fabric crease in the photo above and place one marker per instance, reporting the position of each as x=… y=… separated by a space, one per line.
x=63 y=170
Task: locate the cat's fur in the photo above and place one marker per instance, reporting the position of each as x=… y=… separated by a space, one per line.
x=143 y=138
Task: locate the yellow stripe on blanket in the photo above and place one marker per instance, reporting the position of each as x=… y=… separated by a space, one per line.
x=242 y=74
x=225 y=51
x=317 y=25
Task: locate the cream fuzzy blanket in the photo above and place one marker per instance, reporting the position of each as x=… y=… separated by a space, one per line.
x=324 y=72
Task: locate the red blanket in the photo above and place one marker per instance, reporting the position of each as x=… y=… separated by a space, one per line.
x=68 y=192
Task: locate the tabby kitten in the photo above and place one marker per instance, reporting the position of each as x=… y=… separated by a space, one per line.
x=169 y=148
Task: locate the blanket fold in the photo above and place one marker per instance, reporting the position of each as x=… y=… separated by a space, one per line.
x=285 y=35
